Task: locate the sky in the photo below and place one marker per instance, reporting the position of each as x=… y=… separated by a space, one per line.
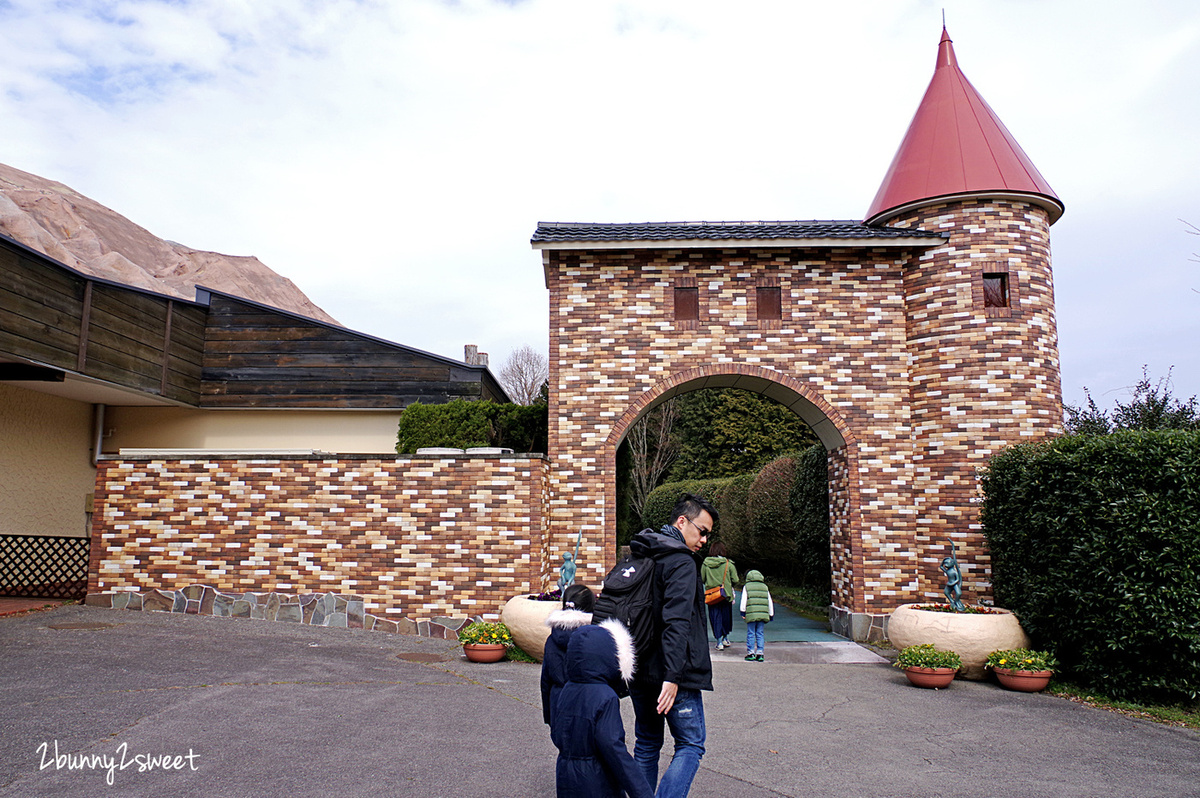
x=393 y=157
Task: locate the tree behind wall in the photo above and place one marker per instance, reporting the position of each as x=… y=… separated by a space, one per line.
x=524 y=374
x=723 y=432
x=1151 y=408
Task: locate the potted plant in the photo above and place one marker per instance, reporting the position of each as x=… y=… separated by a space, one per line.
x=485 y=641
x=1022 y=669
x=925 y=665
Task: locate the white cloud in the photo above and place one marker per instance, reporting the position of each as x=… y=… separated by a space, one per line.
x=393 y=158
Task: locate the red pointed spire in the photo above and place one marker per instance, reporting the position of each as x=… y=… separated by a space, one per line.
x=956 y=145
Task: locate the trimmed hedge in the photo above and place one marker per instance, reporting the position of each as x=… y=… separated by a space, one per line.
x=1095 y=544
x=662 y=499
x=810 y=512
x=772 y=529
x=465 y=424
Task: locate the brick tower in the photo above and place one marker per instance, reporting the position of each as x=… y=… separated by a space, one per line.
x=981 y=323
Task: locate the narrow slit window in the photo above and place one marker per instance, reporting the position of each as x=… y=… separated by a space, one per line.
x=687 y=303
x=995 y=290
x=769 y=302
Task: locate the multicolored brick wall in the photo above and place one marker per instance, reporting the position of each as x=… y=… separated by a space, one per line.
x=894 y=347
x=417 y=537
x=982 y=378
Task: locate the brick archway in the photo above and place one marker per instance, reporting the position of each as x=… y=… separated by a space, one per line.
x=830 y=426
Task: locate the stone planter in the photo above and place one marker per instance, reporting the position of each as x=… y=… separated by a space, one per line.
x=525 y=618
x=971 y=636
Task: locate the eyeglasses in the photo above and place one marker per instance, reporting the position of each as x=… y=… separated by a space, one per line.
x=703 y=532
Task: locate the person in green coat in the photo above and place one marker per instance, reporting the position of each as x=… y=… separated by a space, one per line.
x=718 y=570
x=758 y=609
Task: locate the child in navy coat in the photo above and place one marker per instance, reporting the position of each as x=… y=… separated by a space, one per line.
x=577 y=603
x=586 y=724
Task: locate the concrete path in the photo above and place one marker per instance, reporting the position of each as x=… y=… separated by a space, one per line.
x=250 y=708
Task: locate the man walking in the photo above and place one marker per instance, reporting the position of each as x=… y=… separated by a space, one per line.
x=670 y=676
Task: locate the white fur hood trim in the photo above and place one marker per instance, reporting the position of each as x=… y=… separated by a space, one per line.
x=568 y=619
x=626 y=657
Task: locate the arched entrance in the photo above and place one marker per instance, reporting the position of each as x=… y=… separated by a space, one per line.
x=829 y=425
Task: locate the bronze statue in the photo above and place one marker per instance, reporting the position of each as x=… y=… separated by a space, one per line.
x=953 y=589
x=566 y=573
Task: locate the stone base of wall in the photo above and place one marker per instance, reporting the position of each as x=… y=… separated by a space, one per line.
x=862 y=627
x=340 y=610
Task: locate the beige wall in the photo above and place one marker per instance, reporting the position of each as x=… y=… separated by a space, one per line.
x=46 y=473
x=337 y=431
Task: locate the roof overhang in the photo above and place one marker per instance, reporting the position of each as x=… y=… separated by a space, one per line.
x=743 y=243
x=1053 y=207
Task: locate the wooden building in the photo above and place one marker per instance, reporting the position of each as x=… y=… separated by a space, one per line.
x=89 y=366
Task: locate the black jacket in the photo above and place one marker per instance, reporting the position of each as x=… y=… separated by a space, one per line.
x=682 y=654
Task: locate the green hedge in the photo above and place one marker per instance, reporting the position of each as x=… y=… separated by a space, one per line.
x=464 y=424
x=662 y=499
x=1095 y=544
x=735 y=519
x=810 y=513
x=772 y=530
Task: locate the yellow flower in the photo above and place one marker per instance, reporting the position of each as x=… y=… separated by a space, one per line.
x=1003 y=661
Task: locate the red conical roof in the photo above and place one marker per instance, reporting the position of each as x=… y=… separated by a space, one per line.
x=956 y=145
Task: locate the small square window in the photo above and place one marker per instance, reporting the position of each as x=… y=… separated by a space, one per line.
x=995 y=290
x=769 y=303
x=687 y=303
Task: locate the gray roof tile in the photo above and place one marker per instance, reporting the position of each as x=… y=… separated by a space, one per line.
x=553 y=232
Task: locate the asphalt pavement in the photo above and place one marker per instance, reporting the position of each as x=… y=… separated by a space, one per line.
x=114 y=703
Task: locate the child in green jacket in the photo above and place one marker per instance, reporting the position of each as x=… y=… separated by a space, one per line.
x=758 y=609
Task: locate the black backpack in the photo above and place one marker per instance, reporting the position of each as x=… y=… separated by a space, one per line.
x=628 y=596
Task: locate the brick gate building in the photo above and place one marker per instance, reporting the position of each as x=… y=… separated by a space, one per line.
x=916 y=344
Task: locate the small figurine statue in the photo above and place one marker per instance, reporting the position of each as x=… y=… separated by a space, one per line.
x=953 y=589
x=566 y=573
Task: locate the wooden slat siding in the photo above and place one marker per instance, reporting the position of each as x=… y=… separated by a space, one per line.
x=84 y=320
x=46 y=333
x=166 y=358
x=297 y=389
x=137 y=316
x=50 y=286
x=185 y=361
x=256 y=358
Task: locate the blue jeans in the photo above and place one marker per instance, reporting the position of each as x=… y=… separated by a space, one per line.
x=754 y=637
x=686 y=721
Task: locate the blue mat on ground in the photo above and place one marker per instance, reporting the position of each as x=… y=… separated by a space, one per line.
x=788 y=627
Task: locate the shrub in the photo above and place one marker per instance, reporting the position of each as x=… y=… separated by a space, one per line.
x=464 y=424
x=772 y=528
x=1095 y=544
x=809 y=501
x=662 y=499
x=735 y=523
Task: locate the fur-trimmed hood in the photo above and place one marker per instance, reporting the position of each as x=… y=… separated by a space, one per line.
x=568 y=619
x=601 y=653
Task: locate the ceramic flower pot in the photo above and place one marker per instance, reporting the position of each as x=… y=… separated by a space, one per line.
x=1023 y=681
x=484 y=652
x=930 y=677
